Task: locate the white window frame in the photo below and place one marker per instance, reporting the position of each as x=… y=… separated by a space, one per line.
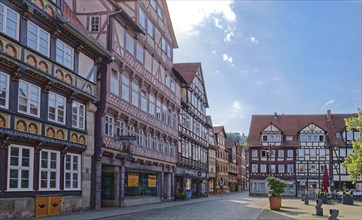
x=94 y=23
x=151 y=108
x=135 y=94
x=79 y=115
x=290 y=153
x=58 y=111
x=142 y=18
x=254 y=153
x=301 y=152
x=314 y=154
x=125 y=87
x=262 y=168
x=28 y=99
x=49 y=170
x=120 y=128
x=322 y=152
x=139 y=53
x=19 y=167
x=63 y=51
x=108 y=126
x=281 y=168
x=72 y=171
x=290 y=168
x=6 y=89
x=130 y=43
x=7 y=19
x=38 y=38
x=114 y=82
x=254 y=168
x=150 y=28
x=144 y=100
x=280 y=153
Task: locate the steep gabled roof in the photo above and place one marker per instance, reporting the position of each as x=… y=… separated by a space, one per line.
x=218 y=129
x=337 y=124
x=187 y=71
x=229 y=144
x=169 y=24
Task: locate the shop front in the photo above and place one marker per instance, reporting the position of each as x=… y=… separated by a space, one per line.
x=196 y=181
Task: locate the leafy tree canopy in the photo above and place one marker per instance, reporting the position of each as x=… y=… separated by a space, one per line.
x=353 y=162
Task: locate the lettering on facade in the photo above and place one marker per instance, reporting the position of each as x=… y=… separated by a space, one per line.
x=40 y=138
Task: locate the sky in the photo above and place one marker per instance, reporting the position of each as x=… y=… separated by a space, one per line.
x=262 y=57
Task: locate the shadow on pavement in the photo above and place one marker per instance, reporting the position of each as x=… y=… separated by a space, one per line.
x=267 y=214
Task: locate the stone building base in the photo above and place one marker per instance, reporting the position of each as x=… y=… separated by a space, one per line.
x=141 y=201
x=17 y=208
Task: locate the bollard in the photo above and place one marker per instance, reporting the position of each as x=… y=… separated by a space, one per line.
x=306 y=199
x=333 y=214
x=318 y=207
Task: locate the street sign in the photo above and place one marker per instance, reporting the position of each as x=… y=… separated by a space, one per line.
x=126 y=138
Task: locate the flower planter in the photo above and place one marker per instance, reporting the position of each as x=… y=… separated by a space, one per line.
x=323 y=198
x=275 y=202
x=347 y=200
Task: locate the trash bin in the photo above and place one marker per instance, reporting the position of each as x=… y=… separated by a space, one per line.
x=188 y=193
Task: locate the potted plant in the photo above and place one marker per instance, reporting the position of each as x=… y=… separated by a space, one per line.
x=180 y=195
x=276 y=188
x=347 y=198
x=323 y=196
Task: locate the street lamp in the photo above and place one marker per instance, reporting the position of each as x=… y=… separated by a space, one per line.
x=269 y=152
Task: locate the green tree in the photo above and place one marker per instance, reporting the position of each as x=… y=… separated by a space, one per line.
x=353 y=162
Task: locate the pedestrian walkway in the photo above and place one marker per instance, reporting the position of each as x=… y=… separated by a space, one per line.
x=116 y=211
x=296 y=209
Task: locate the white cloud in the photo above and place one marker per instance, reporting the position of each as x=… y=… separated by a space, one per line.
x=228 y=37
x=225 y=57
x=217 y=23
x=236 y=106
x=213 y=52
x=253 y=40
x=185 y=15
x=329 y=102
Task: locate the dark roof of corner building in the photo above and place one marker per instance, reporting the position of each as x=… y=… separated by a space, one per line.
x=290 y=125
x=187 y=70
x=229 y=144
x=218 y=129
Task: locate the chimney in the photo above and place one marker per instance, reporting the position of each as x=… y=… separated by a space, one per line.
x=275 y=115
x=329 y=115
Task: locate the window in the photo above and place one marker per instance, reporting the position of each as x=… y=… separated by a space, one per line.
x=272 y=166
x=120 y=128
x=302 y=168
x=158 y=109
x=349 y=151
x=142 y=18
x=130 y=130
x=139 y=53
x=313 y=152
x=301 y=152
x=129 y=44
x=134 y=94
x=280 y=153
x=163 y=44
x=290 y=168
x=150 y=28
x=78 y=115
x=281 y=168
x=342 y=152
x=290 y=153
x=114 y=82
x=20 y=168
x=254 y=168
x=153 y=4
x=343 y=170
x=64 y=54
x=140 y=138
x=289 y=138
x=125 y=88
x=9 y=21
x=349 y=136
x=263 y=153
x=38 y=39
x=254 y=153
x=151 y=109
x=29 y=99
x=160 y=13
x=259 y=186
x=94 y=23
x=322 y=152
x=56 y=108
x=4 y=89
x=72 y=171
x=49 y=170
x=144 y=101
x=109 y=126
x=263 y=168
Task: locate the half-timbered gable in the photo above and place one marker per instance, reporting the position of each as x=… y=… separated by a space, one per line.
x=271 y=135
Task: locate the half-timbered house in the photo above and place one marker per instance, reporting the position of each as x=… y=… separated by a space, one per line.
x=222 y=160
x=233 y=166
x=48 y=69
x=139 y=98
x=211 y=156
x=192 y=167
